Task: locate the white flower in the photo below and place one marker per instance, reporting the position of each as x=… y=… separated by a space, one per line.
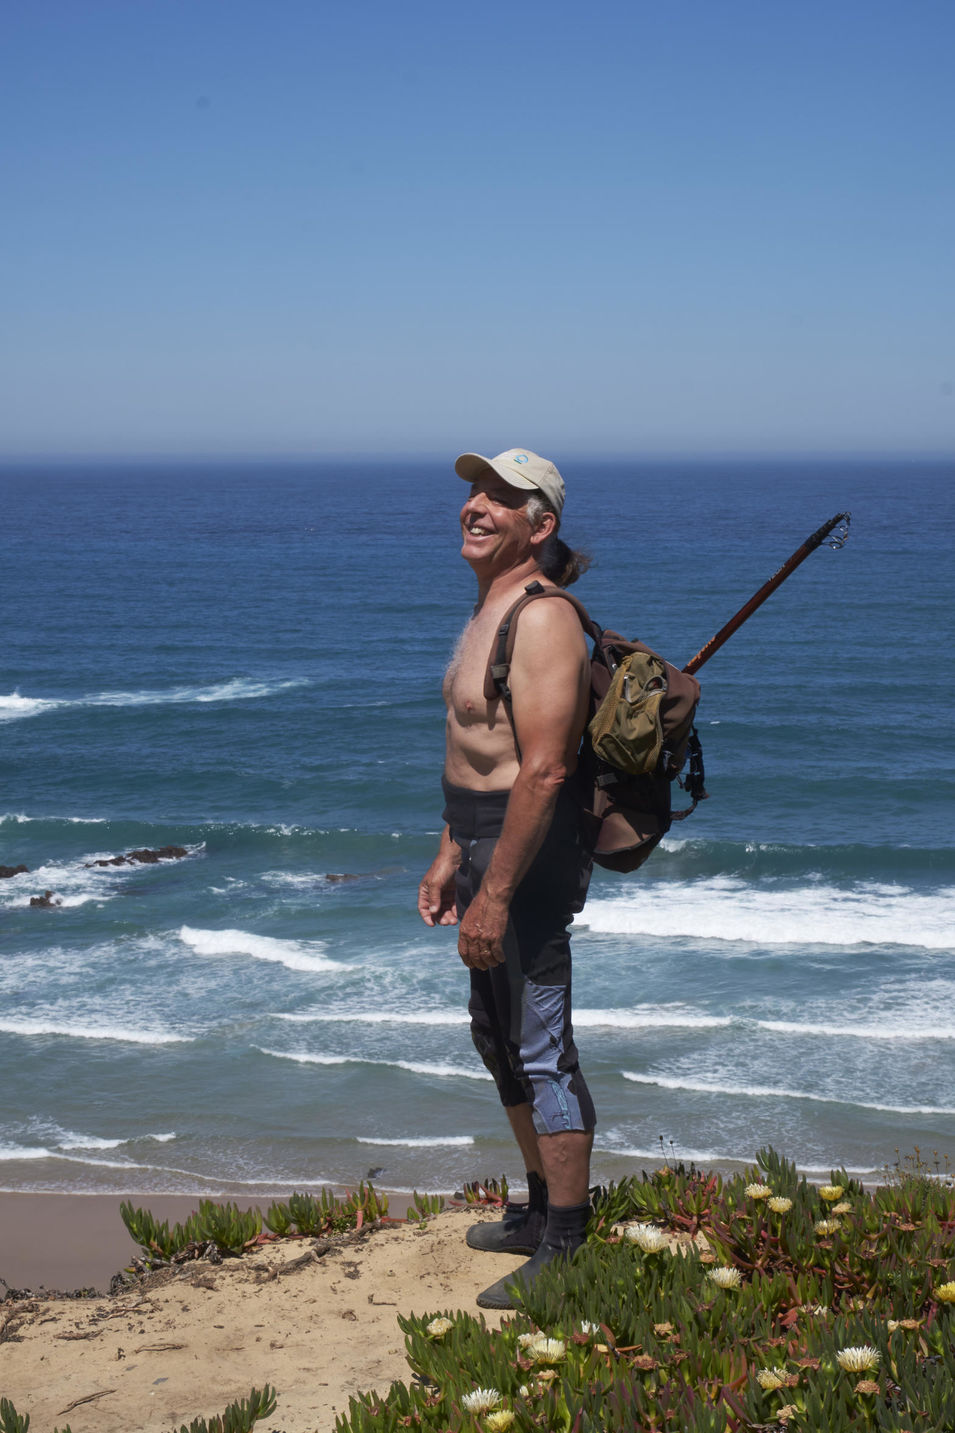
x=437 y=1328
x=771 y=1378
x=757 y=1191
x=827 y=1226
x=590 y=1329
x=779 y=1204
x=526 y=1340
x=861 y=1359
x=724 y=1278
x=482 y=1400
x=831 y=1192
x=843 y=1207
x=548 y=1350
x=646 y=1237
x=499 y=1422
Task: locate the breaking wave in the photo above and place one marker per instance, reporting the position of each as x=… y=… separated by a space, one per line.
x=730 y=909
x=304 y=955
x=237 y=689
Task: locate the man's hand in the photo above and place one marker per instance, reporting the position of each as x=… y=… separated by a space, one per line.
x=481 y=938
x=436 y=899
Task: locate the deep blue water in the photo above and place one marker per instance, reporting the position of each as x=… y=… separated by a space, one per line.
x=246 y=660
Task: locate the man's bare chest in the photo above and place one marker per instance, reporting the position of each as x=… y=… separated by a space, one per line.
x=464 y=679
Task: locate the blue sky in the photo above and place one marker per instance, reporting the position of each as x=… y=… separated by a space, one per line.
x=691 y=226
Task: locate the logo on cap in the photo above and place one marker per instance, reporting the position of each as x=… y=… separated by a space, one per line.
x=521 y=458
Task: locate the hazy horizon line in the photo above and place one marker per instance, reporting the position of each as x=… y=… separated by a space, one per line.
x=445 y=455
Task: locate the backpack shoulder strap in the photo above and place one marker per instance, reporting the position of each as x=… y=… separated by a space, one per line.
x=499 y=662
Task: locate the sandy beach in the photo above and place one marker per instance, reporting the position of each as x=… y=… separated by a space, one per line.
x=317 y=1319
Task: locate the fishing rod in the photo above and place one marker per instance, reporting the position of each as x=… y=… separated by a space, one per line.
x=836 y=541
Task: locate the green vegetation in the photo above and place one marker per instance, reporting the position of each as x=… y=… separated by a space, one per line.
x=325 y=1214
x=225 y=1226
x=237 y=1418
x=10 y=1420
x=703 y=1305
x=230 y=1230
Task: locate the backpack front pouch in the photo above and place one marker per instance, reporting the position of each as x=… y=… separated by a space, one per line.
x=627 y=728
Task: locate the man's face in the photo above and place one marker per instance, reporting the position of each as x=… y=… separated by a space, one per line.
x=495 y=528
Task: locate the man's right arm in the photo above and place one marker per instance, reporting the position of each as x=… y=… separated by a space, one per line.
x=436 y=898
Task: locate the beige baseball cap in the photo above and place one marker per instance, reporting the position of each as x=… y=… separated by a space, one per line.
x=520 y=468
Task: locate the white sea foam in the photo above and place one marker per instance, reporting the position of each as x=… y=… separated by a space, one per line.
x=658 y=1156
x=76 y=883
x=20 y=1151
x=73 y=1139
x=648 y=1017
x=19 y=818
x=237 y=689
x=639 y=1018
x=423 y=1142
x=612 y=1143
x=415 y=1067
x=667 y=1082
x=11 y=1152
x=881 y=1030
x=293 y=954
x=70 y=1140
x=74 y=1031
x=14 y=706
x=727 y=908
x=376 y=1017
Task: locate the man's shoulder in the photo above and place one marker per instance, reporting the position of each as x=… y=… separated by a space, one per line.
x=548 y=627
x=551 y=614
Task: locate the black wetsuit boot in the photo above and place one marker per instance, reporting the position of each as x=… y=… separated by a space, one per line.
x=521 y=1229
x=566 y=1230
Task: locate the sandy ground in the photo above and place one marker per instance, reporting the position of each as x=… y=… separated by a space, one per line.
x=316 y=1319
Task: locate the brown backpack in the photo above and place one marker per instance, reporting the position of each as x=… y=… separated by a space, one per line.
x=637 y=741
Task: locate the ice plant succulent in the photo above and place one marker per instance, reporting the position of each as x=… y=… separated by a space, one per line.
x=831 y=1193
x=437 y=1328
x=827 y=1226
x=862 y=1358
x=724 y=1278
x=647 y=1237
x=499 y=1422
x=548 y=1350
x=945 y=1293
x=757 y=1191
x=779 y=1204
x=482 y=1400
x=770 y=1379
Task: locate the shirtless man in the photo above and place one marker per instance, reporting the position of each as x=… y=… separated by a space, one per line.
x=510 y=870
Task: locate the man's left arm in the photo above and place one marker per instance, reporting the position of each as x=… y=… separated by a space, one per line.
x=549 y=684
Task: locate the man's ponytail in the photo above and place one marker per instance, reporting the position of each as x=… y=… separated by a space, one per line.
x=559 y=563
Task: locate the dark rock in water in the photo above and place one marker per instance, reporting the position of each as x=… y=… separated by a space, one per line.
x=144 y=857
x=375 y=1172
x=48 y=901
x=165 y=853
x=14 y=871
x=345 y=876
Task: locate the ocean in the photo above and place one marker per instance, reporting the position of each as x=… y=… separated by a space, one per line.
x=244 y=660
